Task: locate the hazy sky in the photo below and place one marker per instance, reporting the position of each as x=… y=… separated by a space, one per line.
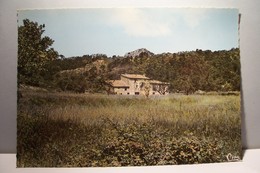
x=116 y=31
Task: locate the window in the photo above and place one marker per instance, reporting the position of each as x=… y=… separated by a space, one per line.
x=125 y=89
x=153 y=93
x=136 y=93
x=127 y=93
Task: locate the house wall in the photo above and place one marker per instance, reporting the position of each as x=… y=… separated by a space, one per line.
x=121 y=91
x=131 y=83
x=135 y=87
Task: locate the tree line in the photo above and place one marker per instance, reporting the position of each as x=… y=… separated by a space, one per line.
x=189 y=71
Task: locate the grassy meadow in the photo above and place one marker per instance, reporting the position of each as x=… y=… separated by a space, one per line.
x=95 y=130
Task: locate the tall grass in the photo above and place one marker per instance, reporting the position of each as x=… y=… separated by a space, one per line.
x=65 y=129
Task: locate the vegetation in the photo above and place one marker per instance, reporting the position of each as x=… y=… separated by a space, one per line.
x=187 y=72
x=66 y=129
x=58 y=126
x=34 y=53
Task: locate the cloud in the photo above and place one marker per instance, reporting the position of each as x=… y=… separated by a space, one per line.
x=193 y=17
x=138 y=23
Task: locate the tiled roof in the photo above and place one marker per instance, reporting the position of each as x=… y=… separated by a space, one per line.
x=135 y=76
x=118 y=83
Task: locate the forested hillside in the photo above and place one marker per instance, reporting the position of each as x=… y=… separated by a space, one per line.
x=185 y=71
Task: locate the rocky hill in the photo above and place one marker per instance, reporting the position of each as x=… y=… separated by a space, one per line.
x=139 y=52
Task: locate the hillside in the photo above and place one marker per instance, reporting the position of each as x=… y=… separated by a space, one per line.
x=186 y=71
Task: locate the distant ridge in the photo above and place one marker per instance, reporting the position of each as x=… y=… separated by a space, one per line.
x=137 y=52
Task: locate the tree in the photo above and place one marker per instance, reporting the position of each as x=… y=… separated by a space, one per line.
x=185 y=84
x=92 y=78
x=161 y=88
x=34 y=53
x=146 y=87
x=191 y=72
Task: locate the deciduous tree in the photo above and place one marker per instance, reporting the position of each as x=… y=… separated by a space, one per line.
x=34 y=52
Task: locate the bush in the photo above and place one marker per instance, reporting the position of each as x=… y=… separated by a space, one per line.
x=65 y=130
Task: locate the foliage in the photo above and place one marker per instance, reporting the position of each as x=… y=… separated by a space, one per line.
x=162 y=89
x=186 y=71
x=66 y=129
x=146 y=88
x=91 y=78
x=34 y=53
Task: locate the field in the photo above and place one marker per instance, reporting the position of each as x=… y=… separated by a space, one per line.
x=94 y=130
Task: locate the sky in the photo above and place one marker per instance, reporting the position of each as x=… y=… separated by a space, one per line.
x=116 y=31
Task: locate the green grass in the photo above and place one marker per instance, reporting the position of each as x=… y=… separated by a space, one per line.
x=65 y=129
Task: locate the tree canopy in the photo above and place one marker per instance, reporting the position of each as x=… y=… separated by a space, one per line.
x=34 y=53
x=186 y=72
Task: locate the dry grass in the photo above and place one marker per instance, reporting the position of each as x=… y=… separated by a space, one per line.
x=65 y=129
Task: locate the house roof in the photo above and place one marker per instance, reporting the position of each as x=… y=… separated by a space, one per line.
x=158 y=82
x=118 y=83
x=134 y=76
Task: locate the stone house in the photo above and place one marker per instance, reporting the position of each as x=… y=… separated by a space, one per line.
x=136 y=84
